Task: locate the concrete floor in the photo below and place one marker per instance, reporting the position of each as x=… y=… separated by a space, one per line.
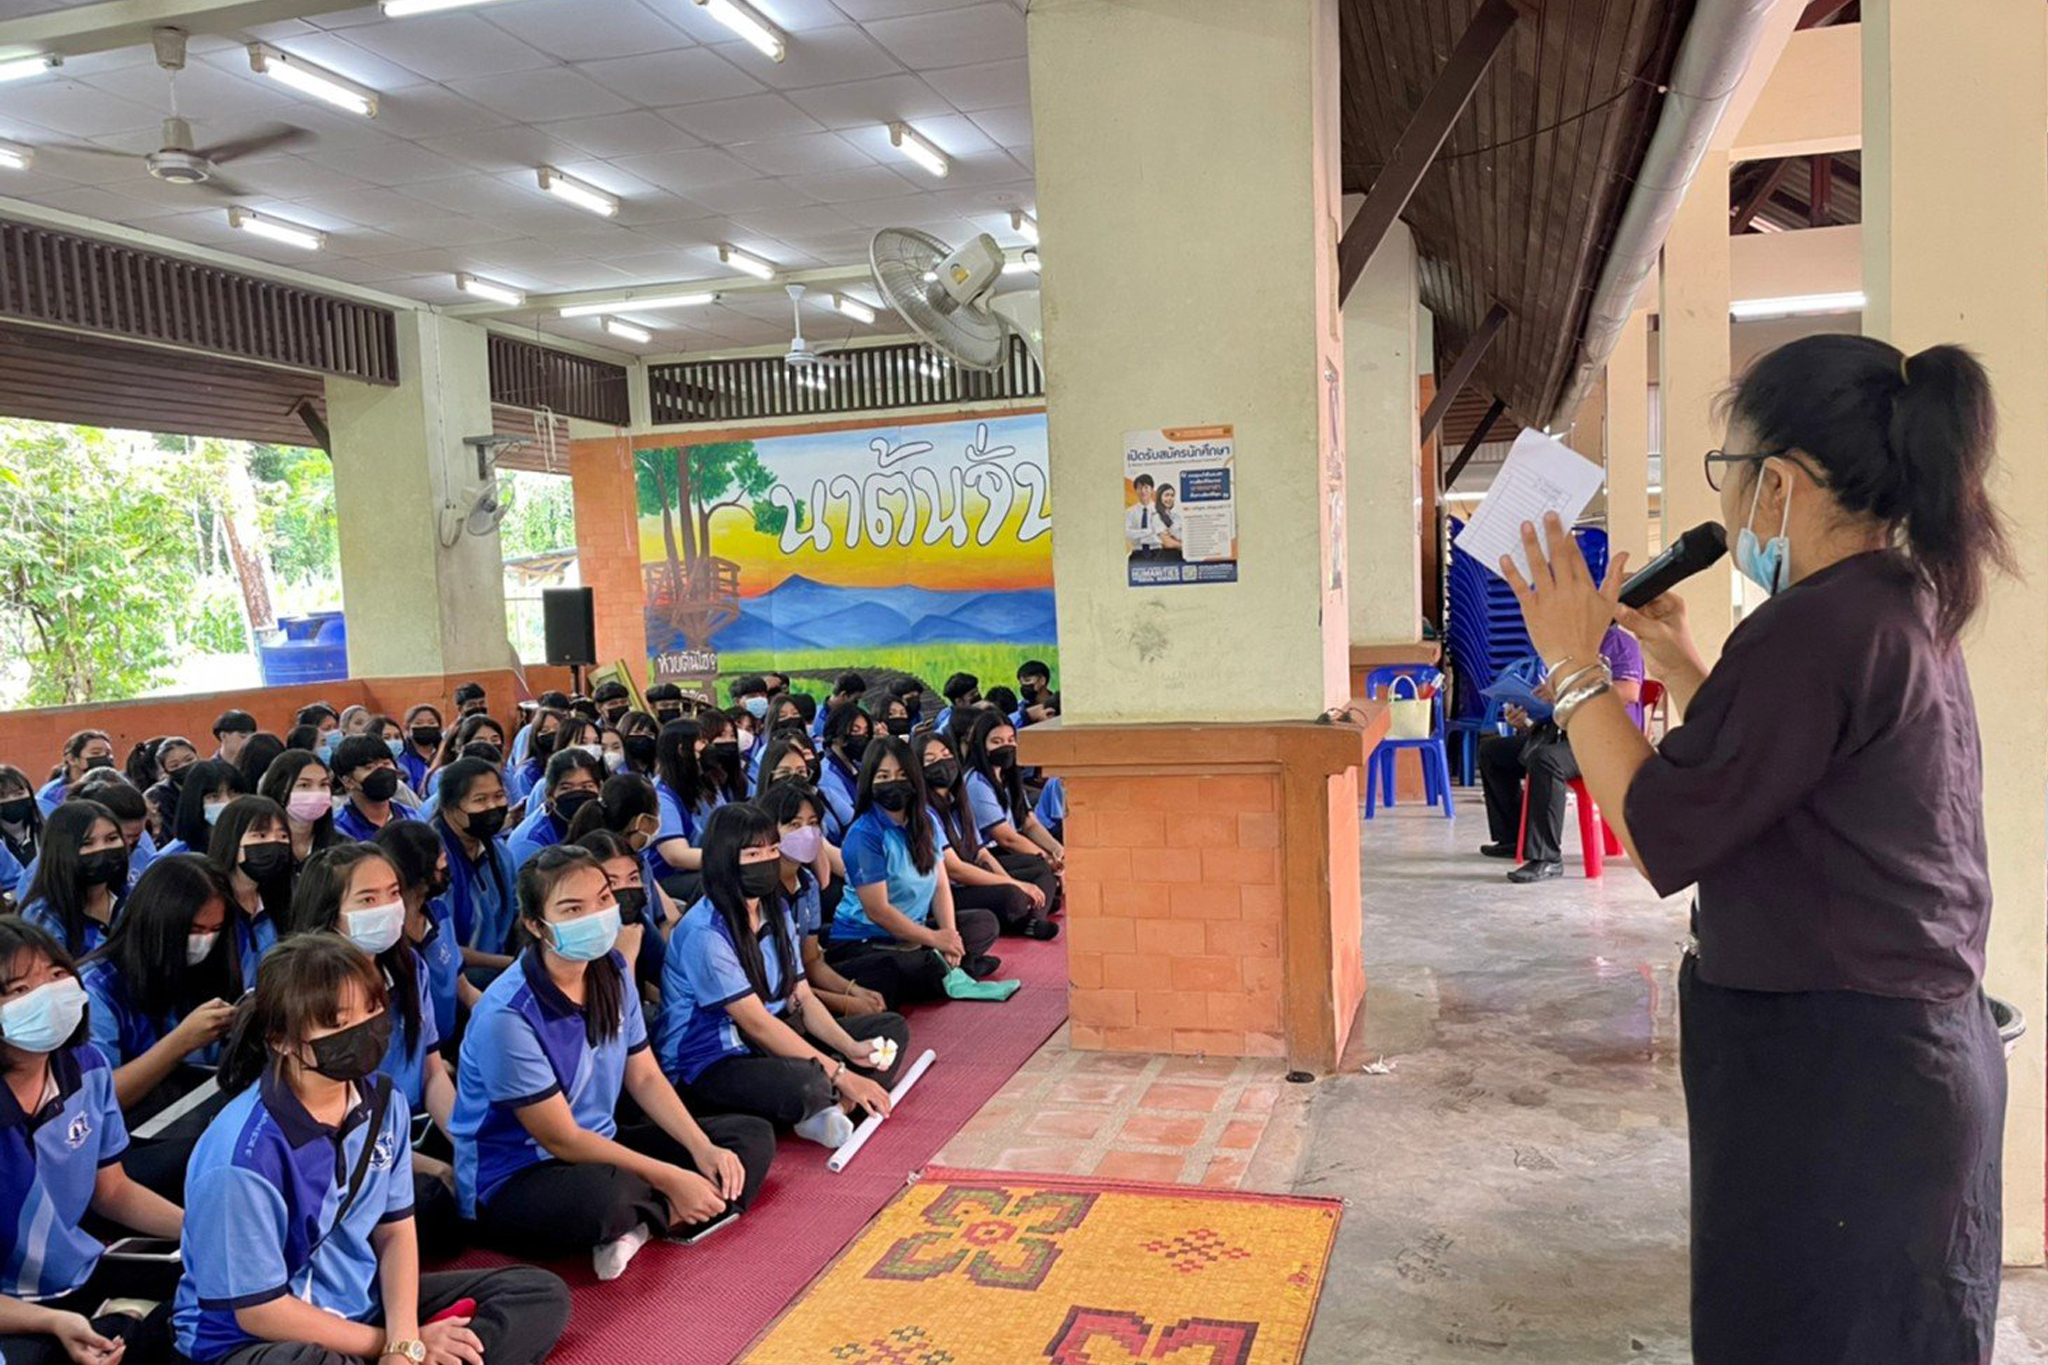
x=1517 y=1182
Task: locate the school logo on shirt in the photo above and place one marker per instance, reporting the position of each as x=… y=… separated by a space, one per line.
x=78 y=1132
x=384 y=1153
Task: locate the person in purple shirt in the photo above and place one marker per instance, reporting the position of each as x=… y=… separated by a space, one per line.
x=1539 y=756
x=1845 y=1085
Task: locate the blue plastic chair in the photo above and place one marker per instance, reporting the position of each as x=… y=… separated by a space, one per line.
x=1489 y=722
x=1436 y=764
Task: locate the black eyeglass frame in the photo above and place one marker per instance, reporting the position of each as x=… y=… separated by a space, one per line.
x=1722 y=457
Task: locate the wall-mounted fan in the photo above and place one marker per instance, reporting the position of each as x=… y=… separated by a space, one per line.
x=178 y=161
x=948 y=297
x=476 y=509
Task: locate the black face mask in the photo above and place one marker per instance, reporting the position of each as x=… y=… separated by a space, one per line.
x=262 y=863
x=354 y=1052
x=380 y=785
x=894 y=796
x=439 y=885
x=1030 y=691
x=102 y=761
x=999 y=759
x=855 y=747
x=898 y=726
x=725 y=752
x=568 y=803
x=543 y=743
x=612 y=713
x=665 y=714
x=632 y=900
x=17 y=810
x=760 y=879
x=815 y=768
x=485 y=823
x=944 y=773
x=639 y=750
x=426 y=736
x=108 y=867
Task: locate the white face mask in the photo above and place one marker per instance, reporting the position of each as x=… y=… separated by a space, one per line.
x=375 y=929
x=197 y=946
x=594 y=750
x=44 y=1019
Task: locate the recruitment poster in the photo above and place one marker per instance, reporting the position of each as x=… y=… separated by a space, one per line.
x=1180 y=506
x=920 y=548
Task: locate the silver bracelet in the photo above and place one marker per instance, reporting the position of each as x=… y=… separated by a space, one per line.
x=1561 y=686
x=1569 y=707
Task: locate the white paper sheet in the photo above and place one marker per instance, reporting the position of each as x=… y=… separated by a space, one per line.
x=851 y=1147
x=1541 y=474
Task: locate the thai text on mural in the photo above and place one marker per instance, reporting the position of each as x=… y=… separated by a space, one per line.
x=928 y=502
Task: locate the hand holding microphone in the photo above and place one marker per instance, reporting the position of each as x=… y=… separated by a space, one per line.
x=1651 y=612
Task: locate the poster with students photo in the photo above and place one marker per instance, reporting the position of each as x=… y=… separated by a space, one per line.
x=1180 y=506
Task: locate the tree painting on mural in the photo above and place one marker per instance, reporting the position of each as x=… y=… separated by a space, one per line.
x=696 y=590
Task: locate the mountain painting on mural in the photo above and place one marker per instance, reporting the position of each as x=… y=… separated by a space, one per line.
x=919 y=548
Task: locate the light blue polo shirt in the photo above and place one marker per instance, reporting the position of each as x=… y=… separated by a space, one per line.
x=537 y=831
x=483 y=894
x=679 y=821
x=1051 y=809
x=526 y=1044
x=44 y=916
x=119 y=1027
x=262 y=1196
x=253 y=938
x=352 y=824
x=986 y=806
x=878 y=850
x=442 y=954
x=405 y=1062
x=49 y=1163
x=837 y=783
x=701 y=977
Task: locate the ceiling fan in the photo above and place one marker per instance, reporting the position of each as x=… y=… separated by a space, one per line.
x=802 y=357
x=178 y=161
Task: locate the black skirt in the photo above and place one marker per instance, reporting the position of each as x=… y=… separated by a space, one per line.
x=1845 y=1176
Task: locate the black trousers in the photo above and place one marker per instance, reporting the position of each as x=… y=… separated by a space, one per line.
x=1545 y=758
x=520 y=1313
x=554 y=1208
x=148 y=1339
x=158 y=1163
x=787 y=1090
x=1009 y=904
x=903 y=975
x=1036 y=869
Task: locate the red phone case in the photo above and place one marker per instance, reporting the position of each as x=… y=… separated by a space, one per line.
x=461 y=1308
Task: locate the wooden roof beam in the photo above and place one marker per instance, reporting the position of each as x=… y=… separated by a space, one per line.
x=1473 y=442
x=1740 y=217
x=1462 y=369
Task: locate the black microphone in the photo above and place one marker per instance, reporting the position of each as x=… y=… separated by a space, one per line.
x=1700 y=548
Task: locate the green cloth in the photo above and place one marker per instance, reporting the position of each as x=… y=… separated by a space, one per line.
x=961 y=986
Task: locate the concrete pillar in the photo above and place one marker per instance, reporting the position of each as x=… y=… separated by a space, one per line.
x=414 y=605
x=1383 y=534
x=1628 y=441
x=1955 y=214
x=1693 y=334
x=1198 y=699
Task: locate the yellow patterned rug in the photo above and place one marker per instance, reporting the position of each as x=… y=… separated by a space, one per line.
x=978 y=1268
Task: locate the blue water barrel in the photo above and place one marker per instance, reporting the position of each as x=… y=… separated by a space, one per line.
x=305 y=649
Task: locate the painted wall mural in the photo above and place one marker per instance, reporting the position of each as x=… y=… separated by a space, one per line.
x=924 y=548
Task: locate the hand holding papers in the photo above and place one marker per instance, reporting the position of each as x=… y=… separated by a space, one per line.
x=1541 y=475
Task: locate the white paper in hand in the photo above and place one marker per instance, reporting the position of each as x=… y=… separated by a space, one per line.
x=1541 y=475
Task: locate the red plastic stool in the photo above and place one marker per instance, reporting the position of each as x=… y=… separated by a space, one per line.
x=1596 y=837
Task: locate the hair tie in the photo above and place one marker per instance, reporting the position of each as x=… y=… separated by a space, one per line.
x=1904 y=359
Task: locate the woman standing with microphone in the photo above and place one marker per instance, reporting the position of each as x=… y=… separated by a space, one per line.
x=1844 y=1082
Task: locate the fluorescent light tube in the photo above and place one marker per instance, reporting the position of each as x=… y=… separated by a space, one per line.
x=571 y=190
x=907 y=140
x=15 y=157
x=489 y=289
x=740 y=17
x=1024 y=225
x=276 y=229
x=626 y=331
x=403 y=9
x=1796 y=305
x=853 y=308
x=586 y=310
x=309 y=79
x=745 y=261
x=21 y=68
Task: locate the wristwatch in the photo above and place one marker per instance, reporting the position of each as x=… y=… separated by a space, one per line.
x=414 y=1352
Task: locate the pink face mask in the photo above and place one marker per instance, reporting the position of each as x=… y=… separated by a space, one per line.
x=307 y=807
x=800 y=845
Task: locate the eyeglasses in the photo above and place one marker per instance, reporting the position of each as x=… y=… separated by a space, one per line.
x=1717 y=458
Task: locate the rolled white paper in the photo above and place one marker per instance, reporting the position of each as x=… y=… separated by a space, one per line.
x=851 y=1147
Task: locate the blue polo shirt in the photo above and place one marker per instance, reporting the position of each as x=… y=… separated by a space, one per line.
x=405 y=1061
x=807 y=906
x=253 y=938
x=350 y=823
x=483 y=894
x=51 y=794
x=442 y=954
x=702 y=976
x=49 y=1162
x=415 y=769
x=44 y=916
x=262 y=1195
x=877 y=849
x=680 y=821
x=13 y=880
x=837 y=782
x=986 y=806
x=526 y=1044
x=119 y=1027
x=537 y=831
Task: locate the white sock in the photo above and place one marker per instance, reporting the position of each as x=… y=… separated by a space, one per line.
x=611 y=1259
x=829 y=1127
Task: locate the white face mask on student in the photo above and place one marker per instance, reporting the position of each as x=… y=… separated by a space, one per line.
x=375 y=929
x=199 y=946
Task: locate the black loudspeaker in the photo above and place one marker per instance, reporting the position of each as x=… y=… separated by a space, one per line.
x=570 y=625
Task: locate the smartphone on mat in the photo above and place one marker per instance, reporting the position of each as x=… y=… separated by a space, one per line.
x=713 y=1227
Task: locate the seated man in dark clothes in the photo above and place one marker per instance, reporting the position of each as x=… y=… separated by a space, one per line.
x=1540 y=753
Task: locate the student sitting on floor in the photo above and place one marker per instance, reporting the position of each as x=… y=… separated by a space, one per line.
x=483 y=881
x=252 y=848
x=84 y=752
x=688 y=796
x=124 y=801
x=209 y=785
x=300 y=782
x=740 y=1031
x=62 y=1141
x=163 y=990
x=647 y=915
x=627 y=809
x=80 y=878
x=21 y=829
x=541 y=1161
x=353 y=890
x=573 y=779
x=979 y=881
x=301 y=1249
x=809 y=884
x=1002 y=813
x=848 y=733
x=369 y=776
x=896 y=930
x=788 y=755
x=421 y=860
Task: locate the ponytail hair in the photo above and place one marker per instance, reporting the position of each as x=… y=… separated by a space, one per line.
x=1906 y=440
x=299 y=988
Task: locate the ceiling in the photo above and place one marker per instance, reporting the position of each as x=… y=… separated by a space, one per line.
x=704 y=139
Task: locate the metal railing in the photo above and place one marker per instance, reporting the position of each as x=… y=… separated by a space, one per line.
x=874 y=378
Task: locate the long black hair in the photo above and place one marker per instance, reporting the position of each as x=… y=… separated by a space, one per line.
x=414 y=851
x=224 y=850
x=208 y=777
x=141 y=765
x=59 y=867
x=316 y=908
x=730 y=829
x=147 y=944
x=604 y=987
x=623 y=800
x=1905 y=440
x=839 y=723
x=12 y=777
x=298 y=989
x=917 y=828
x=948 y=803
x=256 y=757
x=280 y=777
x=1007 y=780
x=785 y=743
x=675 y=759
x=18 y=936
